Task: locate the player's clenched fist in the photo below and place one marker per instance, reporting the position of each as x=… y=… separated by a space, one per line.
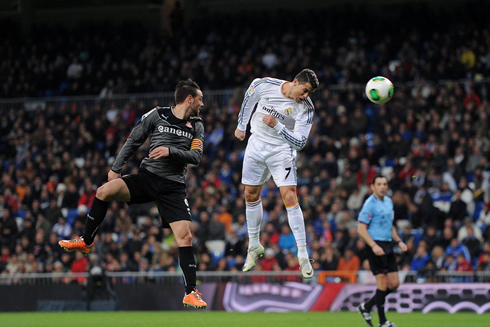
x=269 y=120
x=159 y=152
x=240 y=134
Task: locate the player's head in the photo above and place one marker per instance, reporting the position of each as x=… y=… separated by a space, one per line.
x=187 y=92
x=379 y=186
x=304 y=84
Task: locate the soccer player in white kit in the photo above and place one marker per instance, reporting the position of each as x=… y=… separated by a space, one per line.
x=280 y=126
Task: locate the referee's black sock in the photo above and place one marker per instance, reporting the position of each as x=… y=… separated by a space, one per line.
x=372 y=301
x=94 y=219
x=380 y=303
x=189 y=267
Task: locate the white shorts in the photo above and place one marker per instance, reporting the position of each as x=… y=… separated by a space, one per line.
x=263 y=160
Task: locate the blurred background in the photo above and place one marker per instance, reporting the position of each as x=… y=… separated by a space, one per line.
x=76 y=76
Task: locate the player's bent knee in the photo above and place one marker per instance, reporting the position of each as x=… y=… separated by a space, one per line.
x=111 y=191
x=289 y=197
x=249 y=198
x=185 y=240
x=103 y=193
x=290 y=201
x=252 y=194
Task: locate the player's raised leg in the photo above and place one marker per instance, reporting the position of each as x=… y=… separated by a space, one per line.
x=183 y=237
x=297 y=224
x=116 y=189
x=254 y=213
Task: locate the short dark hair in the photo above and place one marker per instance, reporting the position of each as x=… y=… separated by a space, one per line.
x=307 y=76
x=185 y=88
x=377 y=176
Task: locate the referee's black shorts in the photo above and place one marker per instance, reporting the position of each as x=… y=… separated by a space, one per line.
x=169 y=196
x=382 y=264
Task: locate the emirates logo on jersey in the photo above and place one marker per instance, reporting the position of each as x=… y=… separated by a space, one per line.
x=288 y=111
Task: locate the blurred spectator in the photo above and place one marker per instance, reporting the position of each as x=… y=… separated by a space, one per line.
x=234 y=244
x=8 y=229
x=483 y=262
x=53 y=213
x=286 y=239
x=71 y=197
x=88 y=195
x=463 y=232
x=472 y=243
x=438 y=257
x=349 y=262
x=365 y=174
x=450 y=263
x=420 y=259
x=462 y=264
x=483 y=221
x=269 y=260
x=79 y=265
x=458 y=209
x=217 y=229
x=456 y=248
x=329 y=260
x=431 y=238
x=62 y=229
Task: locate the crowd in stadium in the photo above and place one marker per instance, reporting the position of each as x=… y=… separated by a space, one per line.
x=103 y=60
x=431 y=141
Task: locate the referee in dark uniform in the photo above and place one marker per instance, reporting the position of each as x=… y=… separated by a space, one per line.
x=176 y=140
x=377 y=230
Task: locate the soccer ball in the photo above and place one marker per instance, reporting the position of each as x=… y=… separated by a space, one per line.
x=379 y=90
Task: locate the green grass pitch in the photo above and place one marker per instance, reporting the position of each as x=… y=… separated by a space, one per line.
x=226 y=319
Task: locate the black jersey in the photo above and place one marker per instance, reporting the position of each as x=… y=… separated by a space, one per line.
x=184 y=139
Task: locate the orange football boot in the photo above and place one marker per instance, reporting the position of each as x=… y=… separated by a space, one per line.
x=77 y=244
x=194 y=300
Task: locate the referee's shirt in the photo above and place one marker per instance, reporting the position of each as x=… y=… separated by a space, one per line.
x=378 y=216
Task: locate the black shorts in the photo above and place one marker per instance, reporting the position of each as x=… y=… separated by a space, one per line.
x=169 y=196
x=385 y=263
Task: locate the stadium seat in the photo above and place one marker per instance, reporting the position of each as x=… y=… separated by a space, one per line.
x=71 y=215
x=216 y=248
x=21 y=214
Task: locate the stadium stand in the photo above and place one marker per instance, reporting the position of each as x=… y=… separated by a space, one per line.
x=431 y=140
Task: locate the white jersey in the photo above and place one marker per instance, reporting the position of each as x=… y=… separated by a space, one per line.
x=294 y=119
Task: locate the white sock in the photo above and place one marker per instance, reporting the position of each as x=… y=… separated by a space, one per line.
x=254 y=213
x=297 y=224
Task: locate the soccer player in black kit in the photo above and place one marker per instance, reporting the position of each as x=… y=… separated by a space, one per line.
x=177 y=136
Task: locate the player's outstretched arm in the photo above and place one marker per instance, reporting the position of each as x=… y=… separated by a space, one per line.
x=138 y=136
